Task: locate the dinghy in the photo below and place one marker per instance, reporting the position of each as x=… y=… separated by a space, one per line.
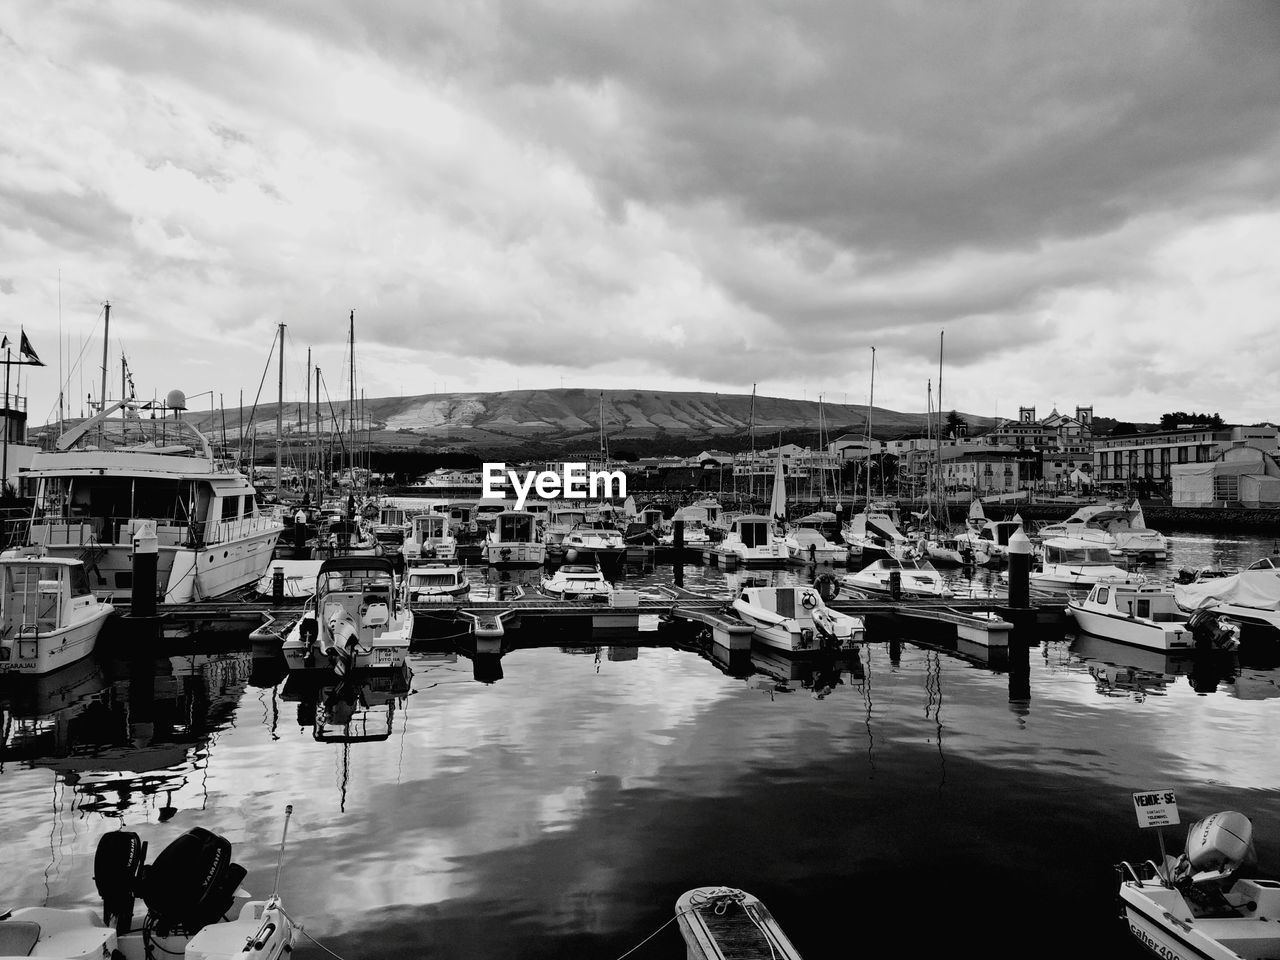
x=795 y=619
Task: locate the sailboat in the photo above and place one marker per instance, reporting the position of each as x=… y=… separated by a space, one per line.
x=873 y=534
x=804 y=542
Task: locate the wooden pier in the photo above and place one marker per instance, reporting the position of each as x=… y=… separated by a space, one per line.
x=622 y=613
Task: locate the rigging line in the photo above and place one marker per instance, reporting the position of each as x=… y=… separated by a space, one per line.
x=84 y=343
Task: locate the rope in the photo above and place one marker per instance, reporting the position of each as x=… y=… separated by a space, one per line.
x=649 y=937
x=302 y=930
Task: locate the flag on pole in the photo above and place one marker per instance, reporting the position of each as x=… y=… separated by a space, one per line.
x=25 y=350
x=4 y=344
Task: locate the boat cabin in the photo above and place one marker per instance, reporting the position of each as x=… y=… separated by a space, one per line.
x=434 y=581
x=753 y=530
x=1076 y=553
x=37 y=595
x=515 y=526
x=429 y=526
x=1149 y=602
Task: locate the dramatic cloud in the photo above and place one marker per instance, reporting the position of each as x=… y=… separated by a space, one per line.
x=653 y=195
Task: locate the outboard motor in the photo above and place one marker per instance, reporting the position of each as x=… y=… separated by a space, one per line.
x=1213 y=632
x=191 y=884
x=117 y=868
x=1216 y=848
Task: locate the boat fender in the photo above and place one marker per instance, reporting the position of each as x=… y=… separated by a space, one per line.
x=806 y=637
x=308 y=630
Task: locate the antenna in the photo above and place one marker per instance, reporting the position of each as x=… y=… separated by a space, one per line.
x=288 y=812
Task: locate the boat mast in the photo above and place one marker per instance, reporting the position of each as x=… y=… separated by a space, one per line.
x=321 y=464
x=751 y=465
x=306 y=434
x=106 y=339
x=944 y=517
x=871 y=399
x=351 y=404
x=279 y=406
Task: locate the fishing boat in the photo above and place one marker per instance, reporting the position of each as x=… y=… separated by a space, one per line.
x=1067 y=564
x=429 y=538
x=577 y=581
x=49 y=616
x=188 y=891
x=1199 y=905
x=749 y=542
x=795 y=618
x=109 y=475
x=514 y=540
x=356 y=620
x=1144 y=615
x=906 y=578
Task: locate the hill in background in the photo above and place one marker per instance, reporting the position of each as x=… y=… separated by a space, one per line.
x=569 y=419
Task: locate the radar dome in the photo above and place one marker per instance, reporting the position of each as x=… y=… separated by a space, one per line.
x=175 y=400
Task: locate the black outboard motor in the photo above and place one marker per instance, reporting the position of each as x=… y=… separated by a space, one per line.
x=1213 y=632
x=117 y=868
x=192 y=883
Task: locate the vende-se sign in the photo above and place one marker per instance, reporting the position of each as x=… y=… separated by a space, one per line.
x=1156 y=808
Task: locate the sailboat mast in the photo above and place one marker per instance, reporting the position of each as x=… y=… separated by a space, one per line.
x=306 y=434
x=944 y=518
x=871 y=399
x=106 y=338
x=279 y=404
x=751 y=467
x=351 y=403
x=321 y=462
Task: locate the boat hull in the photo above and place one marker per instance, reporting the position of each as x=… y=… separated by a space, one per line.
x=1134 y=631
x=35 y=655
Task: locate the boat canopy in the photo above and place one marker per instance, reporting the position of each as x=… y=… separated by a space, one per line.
x=1257 y=587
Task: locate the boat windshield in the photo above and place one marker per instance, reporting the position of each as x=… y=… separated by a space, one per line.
x=577 y=568
x=420 y=580
x=1092 y=556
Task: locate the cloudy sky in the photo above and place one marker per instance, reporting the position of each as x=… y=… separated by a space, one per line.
x=651 y=194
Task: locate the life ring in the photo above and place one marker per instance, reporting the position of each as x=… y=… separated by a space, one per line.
x=808 y=600
x=827 y=585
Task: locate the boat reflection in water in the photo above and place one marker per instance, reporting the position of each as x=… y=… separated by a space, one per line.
x=121 y=733
x=1123 y=670
x=357 y=708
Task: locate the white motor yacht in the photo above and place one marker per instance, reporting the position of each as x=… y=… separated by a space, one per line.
x=433 y=583
x=874 y=532
x=577 y=581
x=808 y=545
x=514 y=541
x=795 y=619
x=429 y=539
x=914 y=578
x=1119 y=526
x=1068 y=564
x=594 y=540
x=560 y=522
x=356 y=620
x=751 y=541
x=109 y=475
x=48 y=615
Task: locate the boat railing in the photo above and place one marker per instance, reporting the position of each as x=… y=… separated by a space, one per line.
x=1144 y=873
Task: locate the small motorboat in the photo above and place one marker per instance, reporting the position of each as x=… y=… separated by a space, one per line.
x=432 y=584
x=188 y=891
x=1210 y=571
x=355 y=620
x=1197 y=905
x=1145 y=615
x=751 y=541
x=795 y=619
x=49 y=616
x=914 y=578
x=808 y=545
x=594 y=541
x=577 y=581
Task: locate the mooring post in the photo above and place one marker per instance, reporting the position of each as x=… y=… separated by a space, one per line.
x=277 y=587
x=677 y=544
x=1019 y=570
x=146 y=556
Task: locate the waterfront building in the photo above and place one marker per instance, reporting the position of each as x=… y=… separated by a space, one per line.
x=1134 y=459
